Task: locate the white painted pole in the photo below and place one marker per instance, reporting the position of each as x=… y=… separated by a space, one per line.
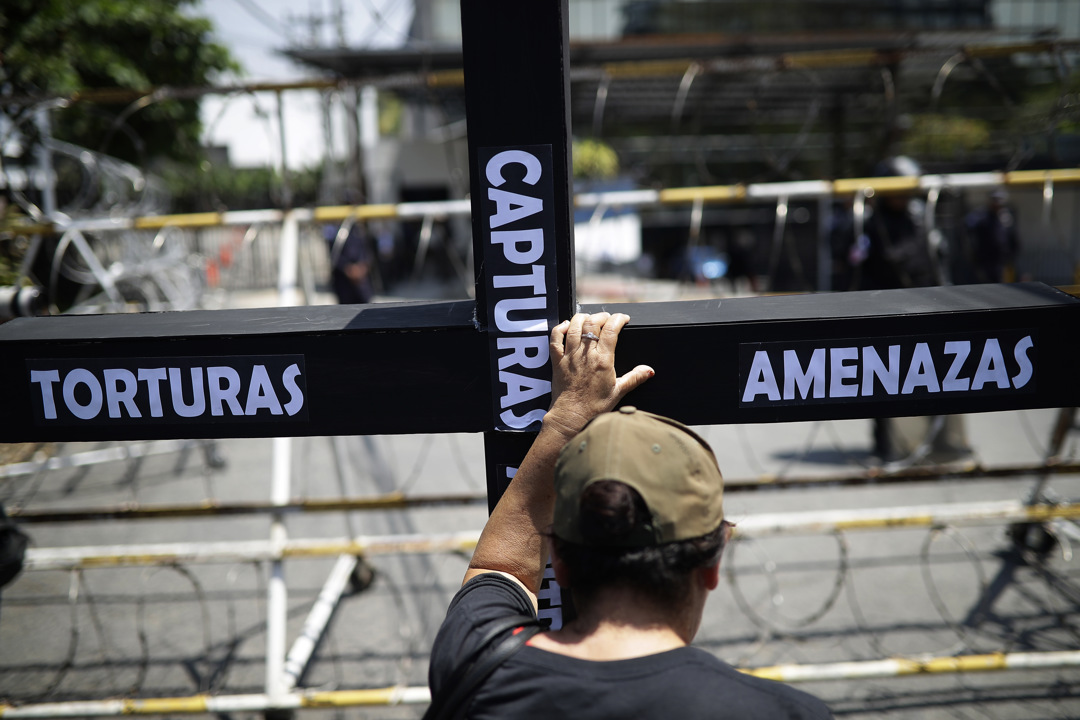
x=220 y=704
x=277 y=595
x=622 y=198
x=897 y=667
x=317 y=619
x=93 y=457
x=47 y=177
x=797 y=523
x=289 y=261
x=276 y=591
x=242 y=551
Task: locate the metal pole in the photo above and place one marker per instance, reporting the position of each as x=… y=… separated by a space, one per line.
x=618 y=198
x=94 y=457
x=48 y=178
x=244 y=551
x=317 y=620
x=824 y=244
x=281 y=467
x=402 y=695
x=397 y=501
x=286 y=189
x=277 y=592
x=896 y=667
x=288 y=269
x=756 y=526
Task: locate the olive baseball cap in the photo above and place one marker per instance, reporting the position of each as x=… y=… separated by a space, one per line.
x=672 y=468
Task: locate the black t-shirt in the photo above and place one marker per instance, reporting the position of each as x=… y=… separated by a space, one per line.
x=687 y=683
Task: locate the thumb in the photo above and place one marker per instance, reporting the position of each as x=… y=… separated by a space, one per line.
x=632 y=379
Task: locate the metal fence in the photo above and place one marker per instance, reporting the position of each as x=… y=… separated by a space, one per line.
x=162 y=604
x=169 y=578
x=184 y=261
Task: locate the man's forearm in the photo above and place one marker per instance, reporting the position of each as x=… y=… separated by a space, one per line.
x=584 y=384
x=513 y=540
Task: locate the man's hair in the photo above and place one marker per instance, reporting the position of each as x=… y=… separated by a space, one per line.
x=610 y=511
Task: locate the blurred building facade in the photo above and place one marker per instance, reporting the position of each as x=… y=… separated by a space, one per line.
x=702 y=92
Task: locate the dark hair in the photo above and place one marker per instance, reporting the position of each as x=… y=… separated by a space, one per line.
x=610 y=512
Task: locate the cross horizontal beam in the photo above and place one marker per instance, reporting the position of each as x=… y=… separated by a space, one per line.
x=422 y=367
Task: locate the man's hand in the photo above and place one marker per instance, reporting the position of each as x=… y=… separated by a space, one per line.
x=584 y=383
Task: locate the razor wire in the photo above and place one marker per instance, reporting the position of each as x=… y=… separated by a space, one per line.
x=781 y=624
x=205 y=652
x=124 y=675
x=86 y=623
x=197 y=260
x=136 y=279
x=774 y=627
x=194 y=652
x=170 y=267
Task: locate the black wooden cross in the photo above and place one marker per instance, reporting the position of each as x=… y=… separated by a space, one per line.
x=438 y=367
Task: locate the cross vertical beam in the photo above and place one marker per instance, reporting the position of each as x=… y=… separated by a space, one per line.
x=516 y=58
x=517 y=103
x=517 y=93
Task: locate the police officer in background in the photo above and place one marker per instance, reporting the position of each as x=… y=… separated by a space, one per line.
x=895 y=251
x=994 y=243
x=350 y=264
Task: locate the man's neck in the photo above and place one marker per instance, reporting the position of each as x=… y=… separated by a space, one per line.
x=619 y=627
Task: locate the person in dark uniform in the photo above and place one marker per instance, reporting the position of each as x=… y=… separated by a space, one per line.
x=630 y=506
x=894 y=252
x=350 y=264
x=993 y=239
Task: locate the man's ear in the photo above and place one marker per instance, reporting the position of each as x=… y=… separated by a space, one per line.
x=710 y=575
x=727 y=532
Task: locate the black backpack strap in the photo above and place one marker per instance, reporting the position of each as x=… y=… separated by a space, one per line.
x=453 y=701
x=496 y=628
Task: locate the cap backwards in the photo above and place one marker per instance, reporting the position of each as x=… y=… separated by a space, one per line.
x=671 y=467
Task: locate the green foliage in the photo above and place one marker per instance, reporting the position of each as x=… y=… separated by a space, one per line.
x=8 y=265
x=60 y=47
x=12 y=247
x=1051 y=108
x=594 y=160
x=209 y=187
x=945 y=137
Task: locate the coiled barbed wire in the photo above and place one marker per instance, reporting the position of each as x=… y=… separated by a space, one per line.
x=786 y=627
x=931 y=585
x=66 y=664
x=777 y=622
